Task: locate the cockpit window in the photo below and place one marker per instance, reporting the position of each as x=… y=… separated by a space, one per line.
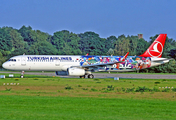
x=13 y=60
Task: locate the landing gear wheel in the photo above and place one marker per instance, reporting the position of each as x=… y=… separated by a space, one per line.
x=90 y=76
x=82 y=76
x=22 y=74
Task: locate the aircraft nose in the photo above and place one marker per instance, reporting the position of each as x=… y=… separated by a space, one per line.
x=5 y=65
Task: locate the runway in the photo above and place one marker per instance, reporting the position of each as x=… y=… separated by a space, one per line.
x=109 y=75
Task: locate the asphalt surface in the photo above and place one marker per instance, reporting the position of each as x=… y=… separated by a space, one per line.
x=107 y=75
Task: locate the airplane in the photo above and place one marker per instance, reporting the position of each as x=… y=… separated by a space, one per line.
x=82 y=65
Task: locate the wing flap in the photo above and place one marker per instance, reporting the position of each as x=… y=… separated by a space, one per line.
x=100 y=65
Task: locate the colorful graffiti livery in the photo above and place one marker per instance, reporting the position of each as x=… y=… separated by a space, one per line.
x=130 y=63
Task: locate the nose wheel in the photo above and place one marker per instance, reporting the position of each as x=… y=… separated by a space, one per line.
x=90 y=76
x=22 y=74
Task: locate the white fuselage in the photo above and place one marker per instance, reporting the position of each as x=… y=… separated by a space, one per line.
x=41 y=62
x=63 y=62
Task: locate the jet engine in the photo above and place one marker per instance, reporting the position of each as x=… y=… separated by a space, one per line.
x=75 y=72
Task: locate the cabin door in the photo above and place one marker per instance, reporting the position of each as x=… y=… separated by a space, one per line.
x=23 y=60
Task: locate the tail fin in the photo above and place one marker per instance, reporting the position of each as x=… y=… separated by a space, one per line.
x=156 y=48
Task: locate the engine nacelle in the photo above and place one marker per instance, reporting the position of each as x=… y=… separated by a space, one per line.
x=75 y=72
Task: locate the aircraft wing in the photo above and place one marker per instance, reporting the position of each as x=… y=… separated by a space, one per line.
x=103 y=64
x=100 y=65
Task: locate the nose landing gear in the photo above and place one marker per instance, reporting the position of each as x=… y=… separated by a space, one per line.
x=22 y=74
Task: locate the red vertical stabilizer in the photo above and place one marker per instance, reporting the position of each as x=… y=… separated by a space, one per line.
x=156 y=48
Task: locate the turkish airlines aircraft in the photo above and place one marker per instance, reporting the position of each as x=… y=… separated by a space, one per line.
x=78 y=65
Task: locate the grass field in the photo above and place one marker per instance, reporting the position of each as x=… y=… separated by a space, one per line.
x=38 y=97
x=74 y=108
x=18 y=75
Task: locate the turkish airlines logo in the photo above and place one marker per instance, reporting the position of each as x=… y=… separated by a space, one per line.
x=156 y=49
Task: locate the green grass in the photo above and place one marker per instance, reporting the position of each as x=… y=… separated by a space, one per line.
x=77 y=87
x=64 y=108
x=85 y=99
x=25 y=75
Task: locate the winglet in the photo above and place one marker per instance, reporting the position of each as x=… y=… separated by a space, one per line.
x=123 y=59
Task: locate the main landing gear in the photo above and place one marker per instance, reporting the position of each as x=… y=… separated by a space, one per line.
x=89 y=76
x=82 y=76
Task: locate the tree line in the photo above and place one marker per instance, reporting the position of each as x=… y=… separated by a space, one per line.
x=35 y=42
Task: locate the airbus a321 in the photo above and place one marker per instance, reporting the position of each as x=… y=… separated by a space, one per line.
x=80 y=65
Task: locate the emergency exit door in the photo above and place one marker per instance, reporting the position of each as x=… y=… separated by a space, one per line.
x=57 y=62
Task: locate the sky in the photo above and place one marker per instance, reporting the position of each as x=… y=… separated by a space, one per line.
x=104 y=17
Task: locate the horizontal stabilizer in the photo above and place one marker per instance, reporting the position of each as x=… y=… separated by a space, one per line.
x=159 y=60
